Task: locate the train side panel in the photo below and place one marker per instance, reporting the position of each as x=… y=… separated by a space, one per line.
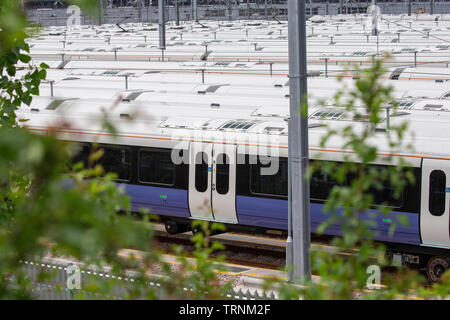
x=273 y=213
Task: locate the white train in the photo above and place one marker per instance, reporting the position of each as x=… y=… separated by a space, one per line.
x=186 y=163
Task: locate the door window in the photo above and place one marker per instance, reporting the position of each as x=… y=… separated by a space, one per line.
x=222 y=173
x=436 y=203
x=201 y=172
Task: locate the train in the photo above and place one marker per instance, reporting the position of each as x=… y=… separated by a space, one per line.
x=186 y=164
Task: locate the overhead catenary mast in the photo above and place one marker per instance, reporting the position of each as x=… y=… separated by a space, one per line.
x=194 y=10
x=162 y=27
x=299 y=237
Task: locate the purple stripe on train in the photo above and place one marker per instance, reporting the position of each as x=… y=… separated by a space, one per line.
x=272 y=213
x=269 y=213
x=161 y=201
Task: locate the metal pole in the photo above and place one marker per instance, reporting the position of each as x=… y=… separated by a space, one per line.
x=139 y=9
x=388 y=118
x=326 y=66
x=431 y=6
x=177 y=9
x=409 y=8
x=265 y=9
x=374 y=19
x=194 y=10
x=377 y=44
x=51 y=87
x=298 y=143
x=100 y=12
x=162 y=25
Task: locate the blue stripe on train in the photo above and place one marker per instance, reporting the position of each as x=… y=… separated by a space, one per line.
x=161 y=201
x=272 y=213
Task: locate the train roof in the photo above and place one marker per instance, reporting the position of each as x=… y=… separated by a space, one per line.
x=227 y=81
x=168 y=126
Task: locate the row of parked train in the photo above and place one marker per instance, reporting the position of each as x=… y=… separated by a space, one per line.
x=209 y=142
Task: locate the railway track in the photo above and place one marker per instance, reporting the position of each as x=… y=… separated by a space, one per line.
x=235 y=253
x=257 y=254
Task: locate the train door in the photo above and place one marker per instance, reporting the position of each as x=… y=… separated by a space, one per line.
x=212 y=182
x=434 y=212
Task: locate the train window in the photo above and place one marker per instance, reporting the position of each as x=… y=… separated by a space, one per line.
x=117 y=160
x=222 y=173
x=269 y=184
x=156 y=166
x=385 y=196
x=436 y=203
x=321 y=183
x=82 y=152
x=201 y=172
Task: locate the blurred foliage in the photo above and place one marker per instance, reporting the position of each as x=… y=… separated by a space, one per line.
x=16 y=87
x=350 y=204
x=49 y=210
x=199 y=272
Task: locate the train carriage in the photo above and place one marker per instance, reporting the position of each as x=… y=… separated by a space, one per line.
x=190 y=164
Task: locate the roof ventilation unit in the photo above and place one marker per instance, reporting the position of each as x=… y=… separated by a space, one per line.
x=238 y=125
x=328 y=114
x=396 y=73
x=433 y=107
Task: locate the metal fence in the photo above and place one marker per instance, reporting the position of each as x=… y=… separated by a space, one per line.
x=149 y=14
x=49 y=282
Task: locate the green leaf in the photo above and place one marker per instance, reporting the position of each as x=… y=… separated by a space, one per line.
x=24 y=58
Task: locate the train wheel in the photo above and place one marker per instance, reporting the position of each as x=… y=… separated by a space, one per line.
x=173 y=227
x=436 y=267
x=198 y=229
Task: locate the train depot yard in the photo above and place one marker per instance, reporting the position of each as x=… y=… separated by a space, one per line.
x=198 y=130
